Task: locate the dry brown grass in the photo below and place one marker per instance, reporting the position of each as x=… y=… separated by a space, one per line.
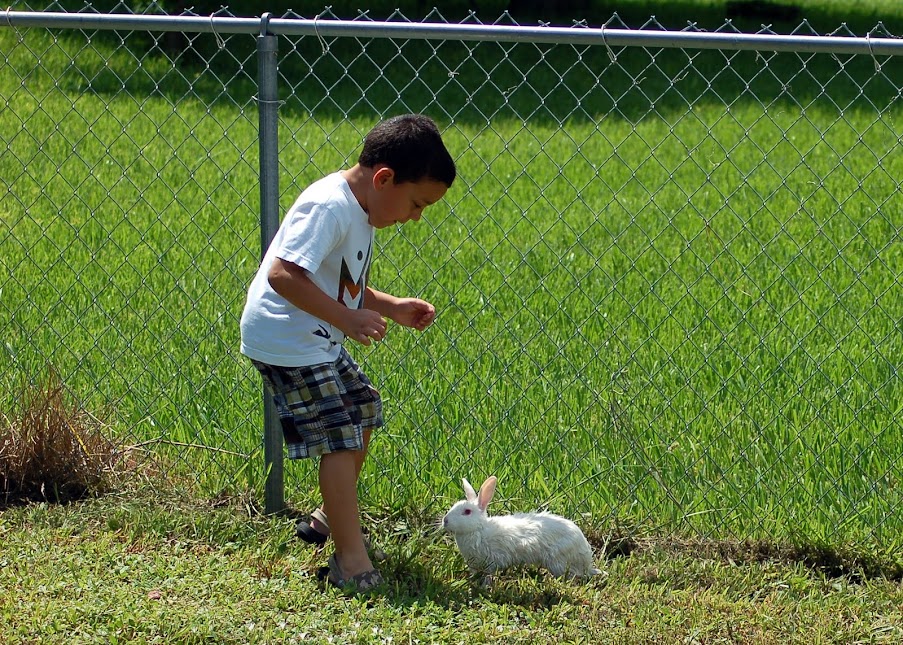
x=53 y=450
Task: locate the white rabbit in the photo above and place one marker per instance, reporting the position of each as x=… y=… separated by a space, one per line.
x=491 y=544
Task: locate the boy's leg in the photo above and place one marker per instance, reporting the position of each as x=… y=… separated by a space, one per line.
x=321 y=416
x=359 y=457
x=338 y=486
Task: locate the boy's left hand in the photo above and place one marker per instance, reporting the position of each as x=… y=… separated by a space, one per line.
x=413 y=312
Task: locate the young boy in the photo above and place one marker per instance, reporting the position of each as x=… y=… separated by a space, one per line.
x=311 y=293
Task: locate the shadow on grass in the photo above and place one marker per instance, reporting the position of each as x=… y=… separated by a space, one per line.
x=424 y=565
x=471 y=83
x=413 y=584
x=856 y=564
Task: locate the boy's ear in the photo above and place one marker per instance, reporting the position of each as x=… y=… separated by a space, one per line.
x=383 y=175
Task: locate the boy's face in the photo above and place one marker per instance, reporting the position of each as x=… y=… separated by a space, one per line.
x=390 y=203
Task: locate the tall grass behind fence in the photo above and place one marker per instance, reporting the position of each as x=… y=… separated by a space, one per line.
x=129 y=228
x=668 y=280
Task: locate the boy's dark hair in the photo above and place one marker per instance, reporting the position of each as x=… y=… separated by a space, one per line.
x=409 y=144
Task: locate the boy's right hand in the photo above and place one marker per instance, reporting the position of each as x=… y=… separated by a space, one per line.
x=363 y=325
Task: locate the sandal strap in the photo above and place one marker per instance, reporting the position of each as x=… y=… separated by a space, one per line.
x=320 y=516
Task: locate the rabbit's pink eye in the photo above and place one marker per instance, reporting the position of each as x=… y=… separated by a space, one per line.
x=467 y=511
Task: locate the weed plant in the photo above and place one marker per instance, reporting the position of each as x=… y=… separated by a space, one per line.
x=52 y=450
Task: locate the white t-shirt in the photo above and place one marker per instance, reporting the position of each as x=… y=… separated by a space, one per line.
x=327 y=233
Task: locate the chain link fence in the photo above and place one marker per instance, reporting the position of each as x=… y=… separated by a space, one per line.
x=668 y=277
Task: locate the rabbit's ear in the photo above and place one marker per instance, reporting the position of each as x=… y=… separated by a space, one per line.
x=487 y=490
x=469 y=494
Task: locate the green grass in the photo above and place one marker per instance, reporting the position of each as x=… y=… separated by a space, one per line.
x=134 y=568
x=667 y=287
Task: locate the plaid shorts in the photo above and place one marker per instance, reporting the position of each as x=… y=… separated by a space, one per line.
x=323 y=408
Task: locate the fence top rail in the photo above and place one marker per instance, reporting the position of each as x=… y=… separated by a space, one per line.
x=577 y=35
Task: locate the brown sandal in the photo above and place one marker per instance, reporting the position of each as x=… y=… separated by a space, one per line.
x=366 y=581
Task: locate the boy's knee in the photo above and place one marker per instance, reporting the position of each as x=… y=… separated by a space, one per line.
x=336 y=463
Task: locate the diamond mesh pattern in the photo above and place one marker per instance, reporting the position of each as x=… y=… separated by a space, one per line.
x=668 y=280
x=131 y=187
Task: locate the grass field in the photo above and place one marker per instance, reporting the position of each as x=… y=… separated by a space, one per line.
x=134 y=568
x=668 y=288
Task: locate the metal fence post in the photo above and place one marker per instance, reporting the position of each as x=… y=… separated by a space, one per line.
x=268 y=110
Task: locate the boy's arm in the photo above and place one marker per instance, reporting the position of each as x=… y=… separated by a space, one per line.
x=294 y=284
x=410 y=312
